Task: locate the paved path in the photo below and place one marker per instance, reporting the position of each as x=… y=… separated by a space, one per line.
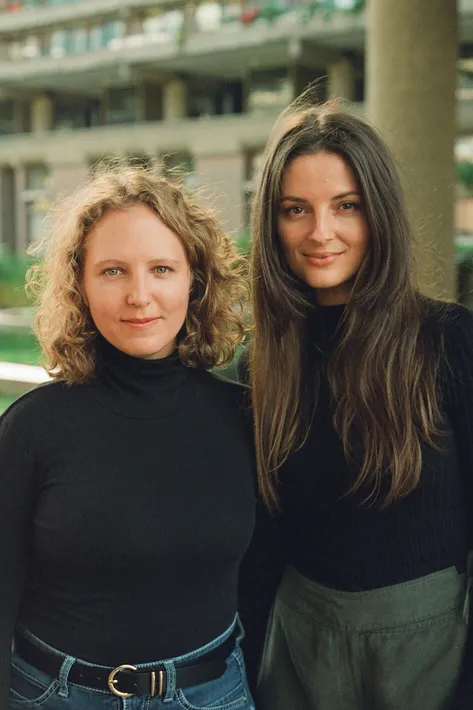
x=16 y=379
x=16 y=318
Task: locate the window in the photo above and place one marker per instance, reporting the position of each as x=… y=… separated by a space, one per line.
x=73 y=114
x=36 y=214
x=79 y=41
x=230 y=97
x=61 y=43
x=270 y=88
x=37 y=198
x=123 y=105
x=211 y=99
x=179 y=166
x=7 y=117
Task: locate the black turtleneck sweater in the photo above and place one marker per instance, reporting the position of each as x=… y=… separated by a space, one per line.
x=125 y=508
x=336 y=539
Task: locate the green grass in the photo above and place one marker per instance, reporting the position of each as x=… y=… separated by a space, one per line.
x=5 y=402
x=19 y=345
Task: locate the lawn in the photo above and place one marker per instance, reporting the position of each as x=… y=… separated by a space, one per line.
x=5 y=402
x=18 y=345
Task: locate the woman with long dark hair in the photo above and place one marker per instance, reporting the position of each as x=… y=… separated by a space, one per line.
x=362 y=392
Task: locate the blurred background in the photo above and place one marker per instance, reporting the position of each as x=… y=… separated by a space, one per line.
x=198 y=85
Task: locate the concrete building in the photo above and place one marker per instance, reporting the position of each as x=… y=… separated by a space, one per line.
x=200 y=84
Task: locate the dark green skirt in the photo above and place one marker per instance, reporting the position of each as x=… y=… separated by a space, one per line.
x=394 y=648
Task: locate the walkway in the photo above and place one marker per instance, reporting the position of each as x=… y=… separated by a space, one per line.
x=15 y=379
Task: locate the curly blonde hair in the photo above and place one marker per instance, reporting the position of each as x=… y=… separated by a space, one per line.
x=65 y=330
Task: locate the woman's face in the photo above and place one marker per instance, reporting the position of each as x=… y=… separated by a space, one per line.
x=136 y=282
x=322 y=225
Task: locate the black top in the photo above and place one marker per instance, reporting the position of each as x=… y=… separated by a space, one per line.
x=334 y=538
x=125 y=508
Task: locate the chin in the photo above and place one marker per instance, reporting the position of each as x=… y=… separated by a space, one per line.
x=322 y=284
x=142 y=351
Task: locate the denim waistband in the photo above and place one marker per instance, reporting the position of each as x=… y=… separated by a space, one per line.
x=169 y=664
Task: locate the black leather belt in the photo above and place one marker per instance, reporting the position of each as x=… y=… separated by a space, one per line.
x=126 y=680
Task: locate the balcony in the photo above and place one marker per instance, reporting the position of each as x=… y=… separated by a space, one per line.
x=31 y=19
x=226 y=49
x=224 y=134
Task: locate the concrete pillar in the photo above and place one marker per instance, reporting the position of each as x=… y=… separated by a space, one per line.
x=7 y=209
x=223 y=176
x=42 y=114
x=21 y=208
x=174 y=100
x=411 y=80
x=341 y=79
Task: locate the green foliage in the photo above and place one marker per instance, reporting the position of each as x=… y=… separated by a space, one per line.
x=328 y=8
x=19 y=345
x=12 y=280
x=243 y=243
x=465 y=173
x=5 y=402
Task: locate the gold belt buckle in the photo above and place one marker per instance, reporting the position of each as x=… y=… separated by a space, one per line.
x=112 y=682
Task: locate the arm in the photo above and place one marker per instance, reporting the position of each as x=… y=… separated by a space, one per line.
x=459 y=396
x=260 y=573
x=16 y=496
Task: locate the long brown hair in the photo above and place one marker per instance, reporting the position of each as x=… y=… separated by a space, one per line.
x=383 y=371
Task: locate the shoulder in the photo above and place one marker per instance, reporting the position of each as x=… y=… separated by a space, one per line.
x=222 y=394
x=446 y=315
x=453 y=326
x=218 y=383
x=451 y=321
x=243 y=367
x=36 y=406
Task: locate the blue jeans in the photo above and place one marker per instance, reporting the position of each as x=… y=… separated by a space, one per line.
x=31 y=688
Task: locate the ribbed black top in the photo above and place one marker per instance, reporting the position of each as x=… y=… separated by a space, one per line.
x=338 y=539
x=335 y=538
x=125 y=508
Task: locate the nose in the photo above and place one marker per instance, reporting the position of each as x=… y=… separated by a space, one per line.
x=322 y=231
x=138 y=294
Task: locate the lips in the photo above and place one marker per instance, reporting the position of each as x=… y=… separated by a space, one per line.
x=139 y=321
x=324 y=254
x=323 y=258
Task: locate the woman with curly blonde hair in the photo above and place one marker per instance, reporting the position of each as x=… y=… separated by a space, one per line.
x=127 y=486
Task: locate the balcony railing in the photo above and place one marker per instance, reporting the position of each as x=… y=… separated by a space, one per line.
x=232 y=134
x=58 y=25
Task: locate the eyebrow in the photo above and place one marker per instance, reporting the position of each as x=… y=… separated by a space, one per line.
x=302 y=200
x=119 y=262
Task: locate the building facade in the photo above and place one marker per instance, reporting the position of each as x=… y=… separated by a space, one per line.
x=195 y=85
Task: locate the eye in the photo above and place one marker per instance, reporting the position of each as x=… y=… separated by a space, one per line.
x=162 y=269
x=295 y=210
x=349 y=206
x=112 y=271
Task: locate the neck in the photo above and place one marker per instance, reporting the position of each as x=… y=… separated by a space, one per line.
x=139 y=387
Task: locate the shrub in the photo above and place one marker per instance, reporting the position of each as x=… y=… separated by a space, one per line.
x=12 y=280
x=243 y=243
x=465 y=174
